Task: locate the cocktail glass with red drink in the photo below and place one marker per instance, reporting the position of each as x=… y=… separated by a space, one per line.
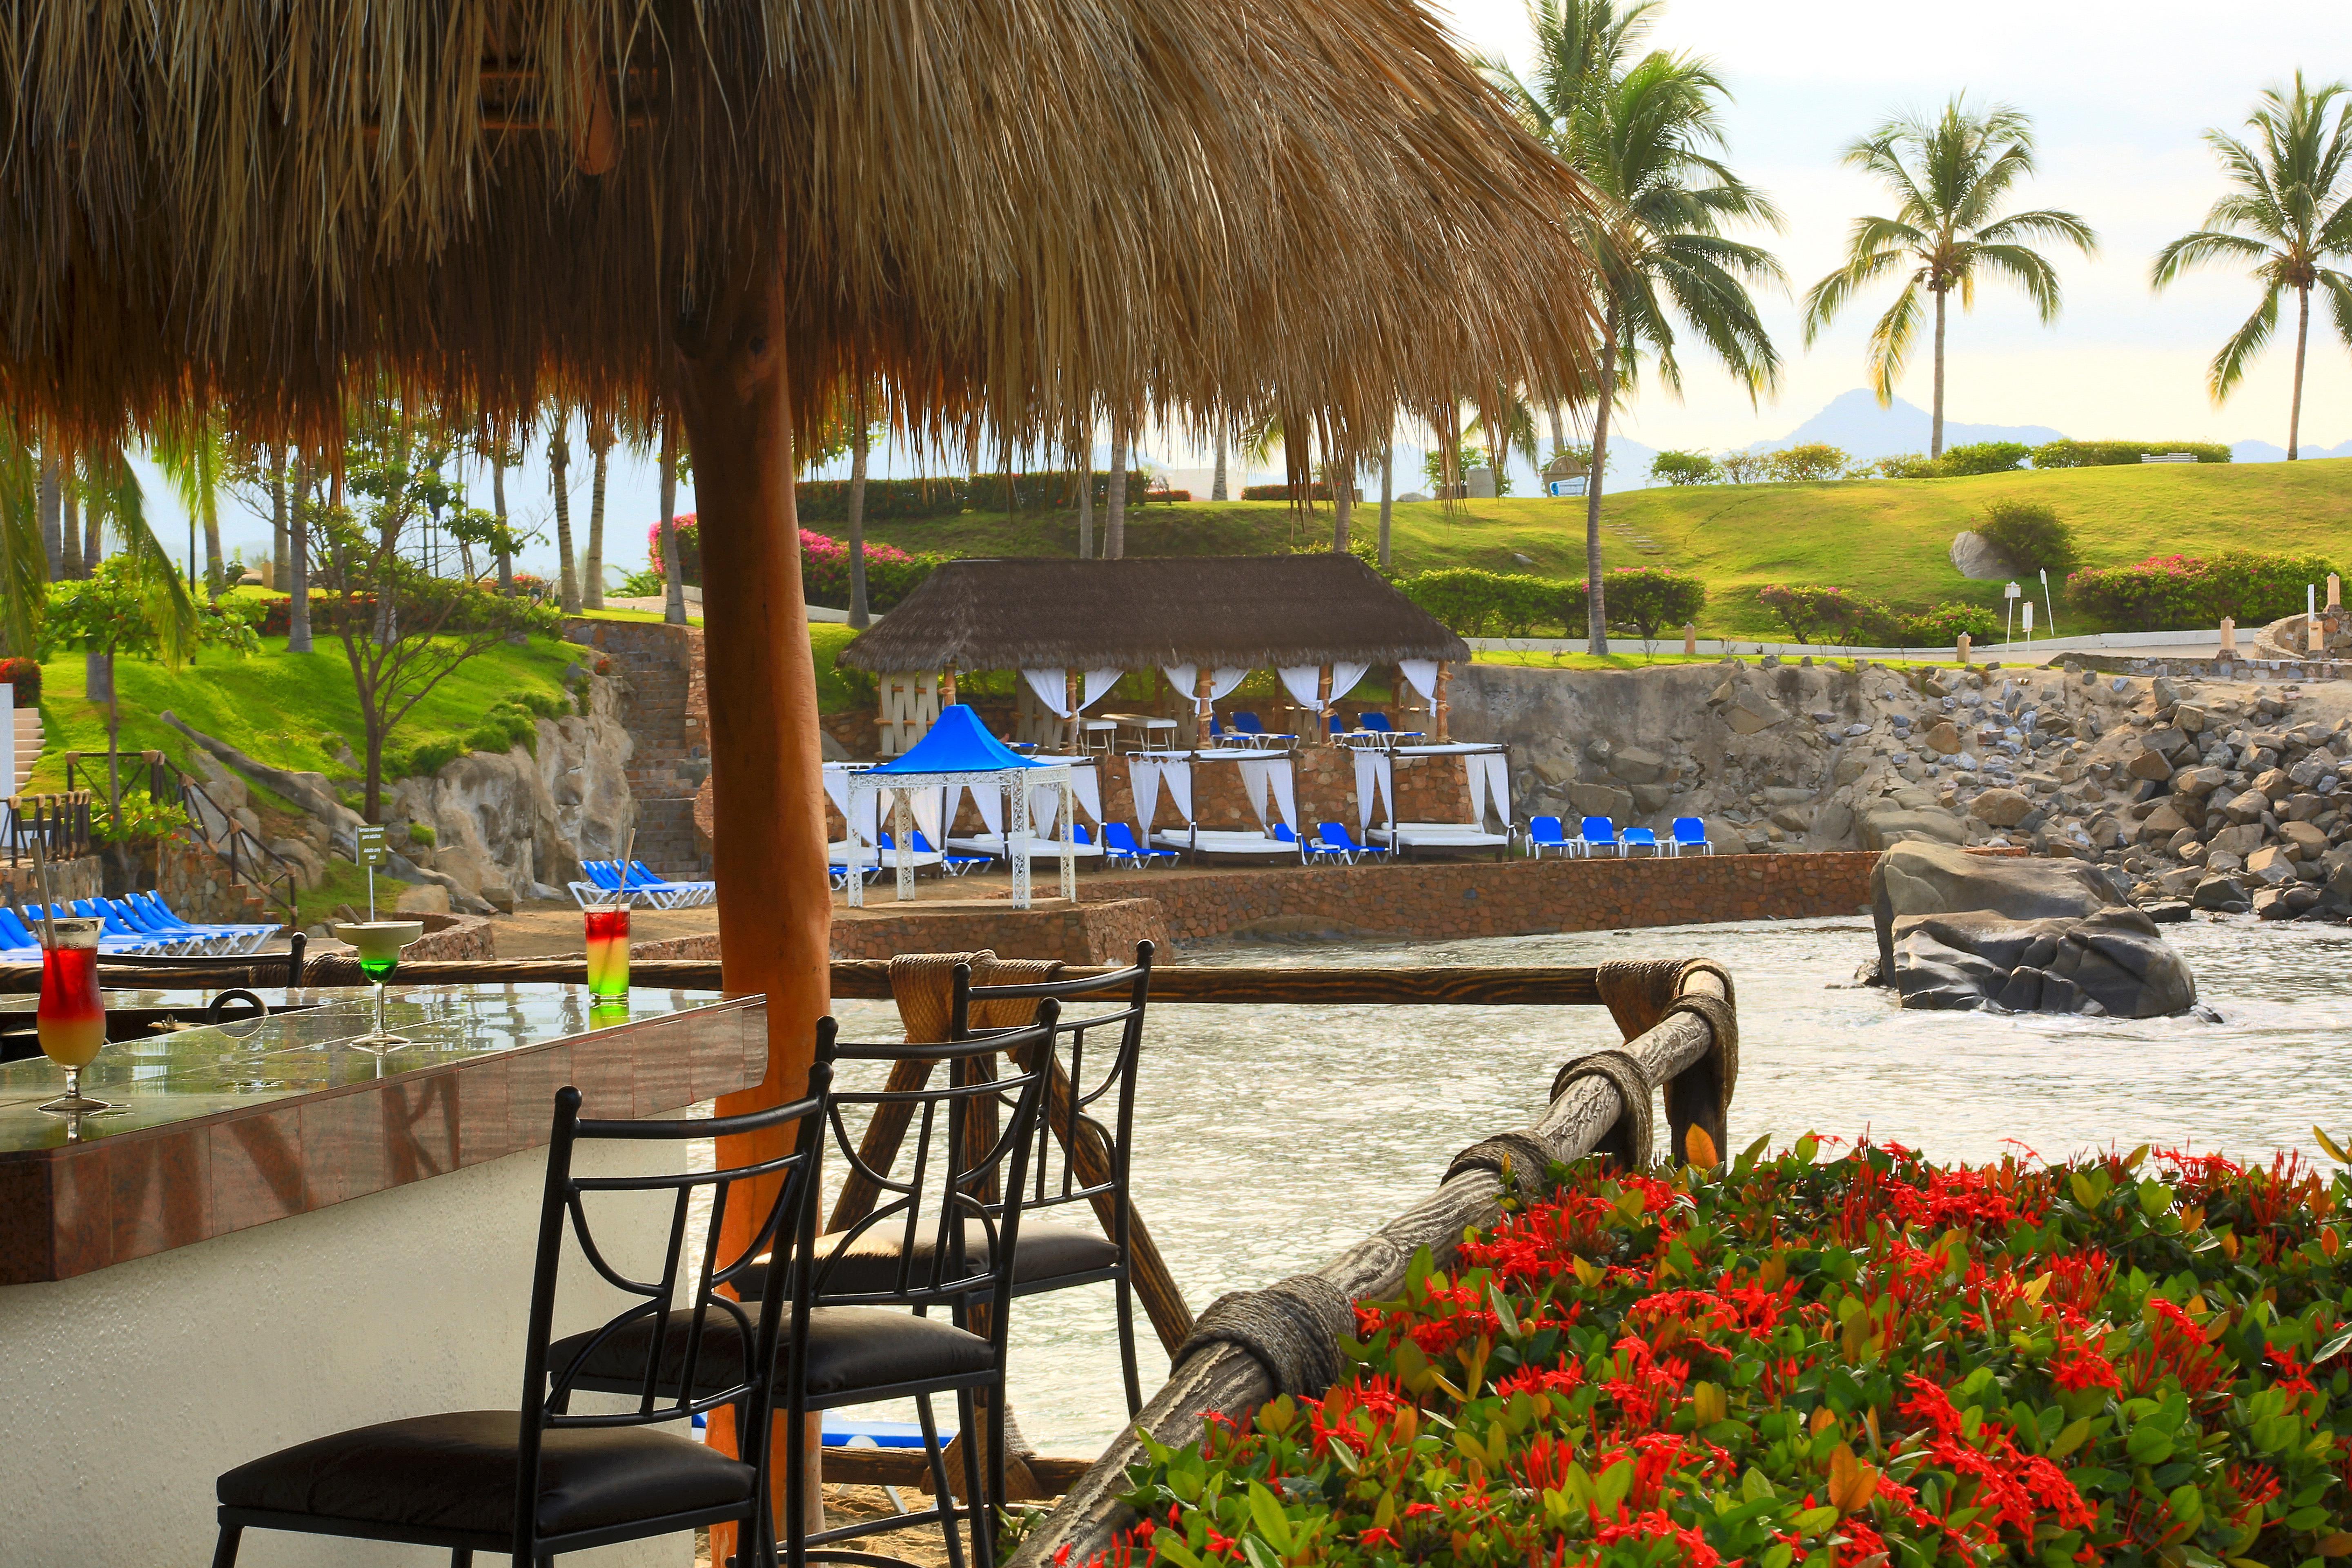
x=379 y=944
x=71 y=1019
x=608 y=951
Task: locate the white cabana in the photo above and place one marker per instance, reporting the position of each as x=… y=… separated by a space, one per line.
x=958 y=754
x=1266 y=778
x=1045 y=802
x=1488 y=770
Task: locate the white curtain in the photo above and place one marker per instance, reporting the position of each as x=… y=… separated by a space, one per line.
x=1373 y=773
x=1344 y=677
x=1098 y=681
x=1254 y=783
x=837 y=786
x=1144 y=777
x=1422 y=675
x=1179 y=777
x=1046 y=810
x=1271 y=776
x=1052 y=689
x=1303 y=682
x=1086 y=783
x=1286 y=799
x=1490 y=779
x=866 y=821
x=1186 y=679
x=990 y=798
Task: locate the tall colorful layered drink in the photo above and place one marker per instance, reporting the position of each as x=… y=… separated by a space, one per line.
x=608 y=951
x=71 y=1018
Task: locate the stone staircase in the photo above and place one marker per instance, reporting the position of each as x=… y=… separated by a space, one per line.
x=28 y=747
x=665 y=714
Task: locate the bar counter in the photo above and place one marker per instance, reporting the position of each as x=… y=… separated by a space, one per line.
x=278 y=1236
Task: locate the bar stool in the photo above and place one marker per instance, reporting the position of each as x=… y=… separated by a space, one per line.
x=542 y=1481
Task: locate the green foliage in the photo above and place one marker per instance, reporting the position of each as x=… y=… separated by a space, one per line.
x=1818 y=1358
x=139 y=819
x=644 y=583
x=1816 y=612
x=1651 y=599
x=1947 y=623
x=1471 y=603
x=1432 y=468
x=1810 y=460
x=2119 y=454
x=1983 y=458
x=422 y=833
x=2174 y=592
x=2031 y=535
x=1909 y=466
x=1684 y=468
x=1744 y=467
x=113 y=611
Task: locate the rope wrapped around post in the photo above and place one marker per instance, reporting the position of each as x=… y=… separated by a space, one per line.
x=1247 y=1350
x=1641 y=993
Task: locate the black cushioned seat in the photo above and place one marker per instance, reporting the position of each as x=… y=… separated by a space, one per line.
x=456 y=1471
x=1043 y=1252
x=849 y=1348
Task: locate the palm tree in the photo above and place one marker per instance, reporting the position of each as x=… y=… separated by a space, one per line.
x=1951 y=178
x=559 y=473
x=591 y=567
x=2290 y=212
x=1645 y=137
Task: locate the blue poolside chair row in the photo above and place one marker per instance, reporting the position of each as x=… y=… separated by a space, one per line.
x=1598 y=832
x=138 y=925
x=606 y=879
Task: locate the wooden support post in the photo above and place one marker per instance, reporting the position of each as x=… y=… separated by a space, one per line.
x=1201 y=716
x=1071 y=689
x=947 y=696
x=766 y=764
x=1323 y=706
x=1445 y=675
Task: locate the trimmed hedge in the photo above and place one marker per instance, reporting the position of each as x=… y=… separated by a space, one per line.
x=1820 y=612
x=2169 y=592
x=24 y=674
x=2113 y=454
x=1048 y=490
x=1319 y=490
x=1642 y=600
x=827 y=500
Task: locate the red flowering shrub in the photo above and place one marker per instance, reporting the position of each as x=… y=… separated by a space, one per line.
x=24 y=674
x=2171 y=593
x=890 y=573
x=1855 y=1363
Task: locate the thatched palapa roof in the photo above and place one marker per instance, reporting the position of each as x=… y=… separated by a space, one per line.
x=1017 y=212
x=1251 y=611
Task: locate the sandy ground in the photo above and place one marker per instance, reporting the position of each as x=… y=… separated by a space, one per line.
x=847 y=1505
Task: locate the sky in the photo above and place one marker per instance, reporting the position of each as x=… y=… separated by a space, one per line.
x=2120 y=95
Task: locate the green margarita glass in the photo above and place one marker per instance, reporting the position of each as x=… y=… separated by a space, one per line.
x=379 y=944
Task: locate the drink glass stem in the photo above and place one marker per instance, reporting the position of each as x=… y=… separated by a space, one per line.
x=379 y=1008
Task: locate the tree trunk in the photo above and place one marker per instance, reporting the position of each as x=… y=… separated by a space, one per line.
x=1343 y=501
x=591 y=575
x=372 y=801
x=1596 y=612
x=1559 y=431
x=277 y=518
x=216 y=568
x=2302 y=339
x=776 y=915
x=672 y=578
x=69 y=534
x=1086 y=503
x=860 y=614
x=298 y=563
x=1935 y=434
x=559 y=473
x=1217 y=480
x=1115 y=518
x=93 y=541
x=499 y=505
x=1388 y=495
x=52 y=502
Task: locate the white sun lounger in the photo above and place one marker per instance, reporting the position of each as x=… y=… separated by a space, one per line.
x=1039 y=848
x=1446 y=838
x=1224 y=841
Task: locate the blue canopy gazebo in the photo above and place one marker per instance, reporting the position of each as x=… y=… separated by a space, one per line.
x=960 y=751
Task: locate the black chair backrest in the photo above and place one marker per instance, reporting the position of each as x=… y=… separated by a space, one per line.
x=779 y=1191
x=1095 y=1059
x=953 y=1167
x=163 y=971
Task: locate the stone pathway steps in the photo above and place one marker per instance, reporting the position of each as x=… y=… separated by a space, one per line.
x=28 y=747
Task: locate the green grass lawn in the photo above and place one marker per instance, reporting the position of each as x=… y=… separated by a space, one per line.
x=1890 y=539
x=297 y=711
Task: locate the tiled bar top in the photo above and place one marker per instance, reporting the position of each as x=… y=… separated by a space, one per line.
x=226 y=1126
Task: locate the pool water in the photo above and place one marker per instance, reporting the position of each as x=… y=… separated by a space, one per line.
x=1269 y=1138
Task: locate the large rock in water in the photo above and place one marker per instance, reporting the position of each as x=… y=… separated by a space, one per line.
x=1964 y=931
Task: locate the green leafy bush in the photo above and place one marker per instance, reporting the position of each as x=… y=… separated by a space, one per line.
x=827 y=500
x=1846 y=1362
x=24 y=674
x=2033 y=537
x=141 y=819
x=422 y=833
x=1813 y=460
x=1947 y=623
x=2112 y=454
x=2174 y=592
x=1906 y=466
x=1319 y=490
x=1471 y=603
x=1684 y=468
x=1649 y=598
x=1820 y=612
x=1983 y=458
x=1047 y=491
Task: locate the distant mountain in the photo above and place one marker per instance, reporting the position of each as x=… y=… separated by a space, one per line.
x=2263 y=452
x=1856 y=425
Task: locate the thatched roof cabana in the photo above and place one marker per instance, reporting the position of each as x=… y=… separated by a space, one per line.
x=1249 y=611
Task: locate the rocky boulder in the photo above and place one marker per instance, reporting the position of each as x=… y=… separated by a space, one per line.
x=1909 y=816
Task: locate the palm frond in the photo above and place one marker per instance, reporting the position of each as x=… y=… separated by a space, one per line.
x=2029 y=270
x=1825 y=299
x=2229 y=366
x=1890 y=342
x=153 y=574
x=24 y=562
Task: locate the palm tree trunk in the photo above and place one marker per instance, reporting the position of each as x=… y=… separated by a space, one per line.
x=52 y=511
x=860 y=614
x=1559 y=431
x=1596 y=612
x=499 y=505
x=298 y=561
x=1935 y=434
x=1388 y=494
x=1343 y=501
x=592 y=574
x=2302 y=337
x=69 y=534
x=1217 y=490
x=216 y=569
x=93 y=541
x=1086 y=501
x=559 y=468
x=1115 y=505
x=277 y=518
x=673 y=581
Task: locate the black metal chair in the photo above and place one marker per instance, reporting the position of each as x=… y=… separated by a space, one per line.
x=1080 y=1160
x=861 y=1331
x=542 y=1481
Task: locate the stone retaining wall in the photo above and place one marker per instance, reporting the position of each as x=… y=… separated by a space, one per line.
x=198 y=885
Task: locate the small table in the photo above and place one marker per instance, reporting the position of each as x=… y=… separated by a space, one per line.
x=1148 y=729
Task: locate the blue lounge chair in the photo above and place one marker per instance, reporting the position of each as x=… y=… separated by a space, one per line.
x=953 y=865
x=1249 y=729
x=1638 y=839
x=1335 y=833
x=1690 y=833
x=1118 y=843
x=226 y=937
x=1544 y=833
x=1597 y=833
x=1378 y=724
x=684 y=895
x=1324 y=847
x=108 y=942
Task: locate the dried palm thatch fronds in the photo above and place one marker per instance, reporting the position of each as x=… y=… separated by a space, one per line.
x=1016 y=211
